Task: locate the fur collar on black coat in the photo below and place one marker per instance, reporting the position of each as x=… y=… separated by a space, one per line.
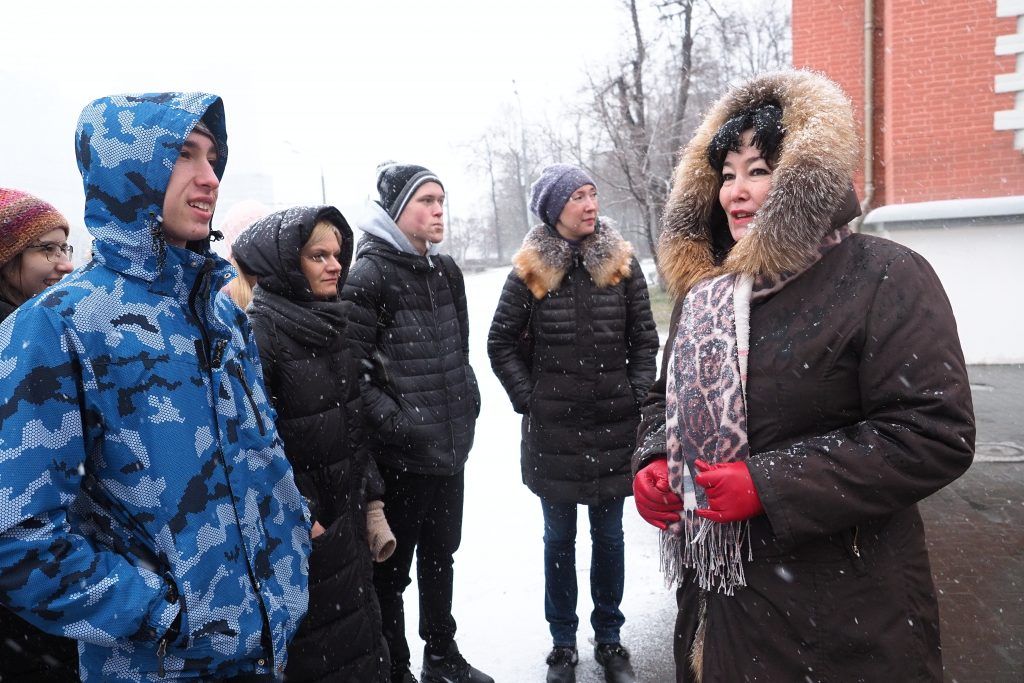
x=544 y=259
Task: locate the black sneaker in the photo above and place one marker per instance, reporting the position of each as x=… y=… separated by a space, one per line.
x=562 y=664
x=403 y=677
x=615 y=660
x=451 y=668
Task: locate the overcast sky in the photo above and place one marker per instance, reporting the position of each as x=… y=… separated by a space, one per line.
x=339 y=85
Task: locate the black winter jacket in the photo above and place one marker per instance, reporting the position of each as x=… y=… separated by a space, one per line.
x=409 y=327
x=594 y=343
x=312 y=380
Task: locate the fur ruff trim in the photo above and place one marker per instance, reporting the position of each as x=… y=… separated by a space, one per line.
x=544 y=259
x=810 y=184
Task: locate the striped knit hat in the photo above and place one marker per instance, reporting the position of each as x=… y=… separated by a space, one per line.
x=24 y=218
x=397 y=183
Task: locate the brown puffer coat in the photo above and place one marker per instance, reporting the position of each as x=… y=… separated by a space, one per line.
x=858 y=407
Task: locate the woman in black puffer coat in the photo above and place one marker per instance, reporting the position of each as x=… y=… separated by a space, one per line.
x=573 y=342
x=300 y=257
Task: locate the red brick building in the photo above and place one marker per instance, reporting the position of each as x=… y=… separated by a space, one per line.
x=948 y=110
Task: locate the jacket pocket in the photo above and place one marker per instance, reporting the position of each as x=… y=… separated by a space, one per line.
x=474 y=388
x=239 y=373
x=118 y=527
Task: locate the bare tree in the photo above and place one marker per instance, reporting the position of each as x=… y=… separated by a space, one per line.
x=628 y=105
x=504 y=154
x=630 y=123
x=682 y=10
x=751 y=42
x=489 y=162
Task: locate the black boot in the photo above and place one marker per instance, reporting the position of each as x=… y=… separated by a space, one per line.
x=615 y=660
x=562 y=664
x=451 y=667
x=403 y=676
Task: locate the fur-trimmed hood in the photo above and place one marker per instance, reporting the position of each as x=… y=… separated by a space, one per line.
x=811 y=193
x=544 y=259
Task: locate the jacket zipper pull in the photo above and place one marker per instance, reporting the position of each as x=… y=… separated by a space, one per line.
x=161 y=652
x=218 y=352
x=856 y=548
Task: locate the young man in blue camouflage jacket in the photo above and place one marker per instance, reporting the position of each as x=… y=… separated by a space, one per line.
x=147 y=509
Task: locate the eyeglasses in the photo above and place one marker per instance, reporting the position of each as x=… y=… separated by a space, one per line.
x=54 y=252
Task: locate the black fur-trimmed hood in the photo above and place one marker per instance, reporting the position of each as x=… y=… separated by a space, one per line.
x=811 y=190
x=544 y=259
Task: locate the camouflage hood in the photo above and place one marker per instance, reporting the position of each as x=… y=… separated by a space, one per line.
x=126 y=147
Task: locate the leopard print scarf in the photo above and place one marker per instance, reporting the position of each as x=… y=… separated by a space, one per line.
x=706 y=416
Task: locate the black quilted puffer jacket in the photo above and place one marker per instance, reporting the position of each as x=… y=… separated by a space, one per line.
x=409 y=326
x=593 y=358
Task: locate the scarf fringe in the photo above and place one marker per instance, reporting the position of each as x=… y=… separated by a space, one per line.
x=714 y=550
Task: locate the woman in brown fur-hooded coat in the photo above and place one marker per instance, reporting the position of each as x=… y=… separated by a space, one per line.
x=857 y=406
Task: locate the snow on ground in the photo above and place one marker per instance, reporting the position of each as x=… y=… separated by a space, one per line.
x=499 y=569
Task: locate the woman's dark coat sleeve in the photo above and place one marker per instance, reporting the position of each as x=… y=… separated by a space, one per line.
x=917 y=434
x=642 y=334
x=373 y=483
x=510 y=320
x=306 y=476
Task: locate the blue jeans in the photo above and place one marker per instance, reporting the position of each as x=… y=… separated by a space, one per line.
x=607 y=570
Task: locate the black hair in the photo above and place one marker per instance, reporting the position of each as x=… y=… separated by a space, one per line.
x=766 y=122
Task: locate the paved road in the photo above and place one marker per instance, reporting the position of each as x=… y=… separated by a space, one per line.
x=975 y=533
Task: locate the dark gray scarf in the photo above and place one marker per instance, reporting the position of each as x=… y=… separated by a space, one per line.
x=313 y=323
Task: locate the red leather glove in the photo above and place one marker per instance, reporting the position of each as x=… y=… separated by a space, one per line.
x=654 y=499
x=730 y=491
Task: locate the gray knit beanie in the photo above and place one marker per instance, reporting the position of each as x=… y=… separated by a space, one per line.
x=551 y=191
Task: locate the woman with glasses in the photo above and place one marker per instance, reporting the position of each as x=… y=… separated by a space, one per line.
x=34 y=249
x=34 y=254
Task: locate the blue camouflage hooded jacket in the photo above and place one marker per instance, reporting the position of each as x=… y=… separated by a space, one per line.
x=144 y=493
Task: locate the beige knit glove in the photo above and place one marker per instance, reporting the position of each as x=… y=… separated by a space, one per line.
x=382 y=541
